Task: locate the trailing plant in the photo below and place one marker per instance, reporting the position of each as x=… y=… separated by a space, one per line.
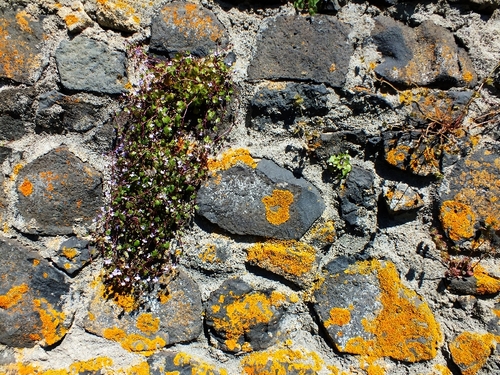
x=312 y=6
x=164 y=137
x=340 y=163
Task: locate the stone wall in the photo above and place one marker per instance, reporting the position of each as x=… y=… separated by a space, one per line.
x=288 y=268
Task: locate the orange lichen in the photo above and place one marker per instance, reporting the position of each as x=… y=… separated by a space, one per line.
x=52 y=321
x=281 y=361
x=69 y=252
x=125 y=301
x=339 y=317
x=192 y=22
x=26 y=188
x=147 y=323
x=134 y=342
x=443 y=370
x=290 y=257
x=71 y=19
x=324 y=232
x=13 y=296
x=15 y=171
x=485 y=283
x=209 y=255
x=397 y=155
x=90 y=366
x=496 y=312
x=457 y=219
x=278 y=206
x=22 y=21
x=470 y=351
x=404 y=328
x=36 y=262
x=197 y=366
x=230 y=158
x=244 y=313
x=467 y=76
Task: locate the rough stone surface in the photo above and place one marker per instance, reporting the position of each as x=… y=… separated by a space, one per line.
x=422 y=56
x=400 y=198
x=283 y=361
x=31 y=298
x=366 y=310
x=75 y=17
x=317 y=50
x=469 y=196
x=181 y=363
x=121 y=15
x=82 y=57
x=73 y=255
x=283 y=103
x=57 y=191
x=174 y=316
x=240 y=318
x=481 y=283
x=267 y=201
x=186 y=27
x=21 y=38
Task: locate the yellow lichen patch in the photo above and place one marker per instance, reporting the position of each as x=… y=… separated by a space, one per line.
x=244 y=313
x=69 y=252
x=198 y=367
x=290 y=257
x=397 y=155
x=443 y=370
x=230 y=158
x=404 y=328
x=125 y=301
x=496 y=312
x=209 y=255
x=134 y=342
x=22 y=21
x=470 y=351
x=278 y=206
x=15 y=171
x=467 y=76
x=339 y=317
x=52 y=321
x=13 y=296
x=125 y=7
x=457 y=219
x=324 y=232
x=485 y=284
x=147 y=323
x=281 y=361
x=71 y=19
x=26 y=188
x=94 y=365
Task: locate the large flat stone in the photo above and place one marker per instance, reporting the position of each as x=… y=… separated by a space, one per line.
x=295 y=48
x=57 y=191
x=267 y=201
x=88 y=65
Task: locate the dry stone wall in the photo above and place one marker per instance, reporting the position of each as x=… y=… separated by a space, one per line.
x=289 y=267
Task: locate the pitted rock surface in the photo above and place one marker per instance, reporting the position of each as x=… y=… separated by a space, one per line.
x=174 y=316
x=240 y=318
x=186 y=27
x=267 y=201
x=21 y=37
x=73 y=255
x=82 y=57
x=180 y=363
x=285 y=102
x=31 y=298
x=422 y=56
x=57 y=191
x=366 y=310
x=315 y=50
x=15 y=112
x=468 y=196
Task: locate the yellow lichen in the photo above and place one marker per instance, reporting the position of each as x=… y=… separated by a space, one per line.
x=458 y=220
x=125 y=301
x=209 y=255
x=324 y=232
x=134 y=342
x=52 y=321
x=281 y=361
x=339 y=317
x=197 y=366
x=443 y=370
x=278 y=206
x=485 y=283
x=147 y=323
x=91 y=366
x=290 y=257
x=230 y=158
x=470 y=351
x=13 y=296
x=26 y=188
x=22 y=21
x=69 y=252
x=71 y=19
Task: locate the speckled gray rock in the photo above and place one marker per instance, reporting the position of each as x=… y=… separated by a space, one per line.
x=57 y=191
x=315 y=50
x=173 y=315
x=400 y=198
x=88 y=65
x=268 y=201
x=31 y=302
x=186 y=27
x=240 y=318
x=422 y=56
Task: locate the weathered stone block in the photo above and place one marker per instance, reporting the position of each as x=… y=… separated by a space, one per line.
x=186 y=27
x=294 y=48
x=57 y=191
x=122 y=15
x=88 y=65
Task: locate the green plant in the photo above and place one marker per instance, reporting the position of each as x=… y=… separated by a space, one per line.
x=164 y=137
x=312 y=6
x=341 y=163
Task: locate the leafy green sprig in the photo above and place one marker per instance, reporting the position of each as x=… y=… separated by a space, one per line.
x=171 y=121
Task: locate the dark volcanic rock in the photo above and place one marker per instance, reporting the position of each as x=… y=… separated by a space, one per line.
x=267 y=201
x=315 y=50
x=174 y=316
x=422 y=56
x=31 y=298
x=240 y=318
x=57 y=191
x=88 y=65
x=73 y=255
x=186 y=27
